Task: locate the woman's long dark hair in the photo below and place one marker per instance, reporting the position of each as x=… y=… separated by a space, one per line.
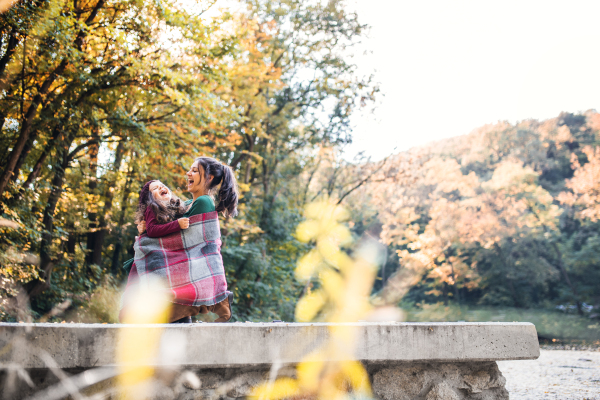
x=165 y=212
x=227 y=195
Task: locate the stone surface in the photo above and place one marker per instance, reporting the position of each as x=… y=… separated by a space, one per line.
x=241 y=385
x=390 y=381
x=247 y=344
x=442 y=391
x=556 y=375
x=400 y=383
x=455 y=381
x=453 y=361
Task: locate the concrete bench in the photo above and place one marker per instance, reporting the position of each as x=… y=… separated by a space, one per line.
x=404 y=360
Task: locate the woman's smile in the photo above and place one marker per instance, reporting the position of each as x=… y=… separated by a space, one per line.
x=194 y=179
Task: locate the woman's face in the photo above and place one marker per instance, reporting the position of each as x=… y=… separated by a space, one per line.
x=159 y=191
x=195 y=178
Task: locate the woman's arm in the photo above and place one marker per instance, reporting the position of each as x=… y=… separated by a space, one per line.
x=155 y=230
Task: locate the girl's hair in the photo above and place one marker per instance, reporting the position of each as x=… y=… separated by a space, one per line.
x=165 y=211
x=228 y=192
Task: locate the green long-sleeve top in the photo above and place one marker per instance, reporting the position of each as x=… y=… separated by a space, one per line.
x=201 y=205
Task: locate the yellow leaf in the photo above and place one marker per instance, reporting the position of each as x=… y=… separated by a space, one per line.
x=307 y=230
x=137 y=347
x=333 y=284
x=358 y=377
x=328 y=249
x=309 y=372
x=341 y=233
x=309 y=305
x=307 y=265
x=280 y=389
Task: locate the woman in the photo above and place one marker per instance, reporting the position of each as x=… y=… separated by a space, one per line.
x=205 y=178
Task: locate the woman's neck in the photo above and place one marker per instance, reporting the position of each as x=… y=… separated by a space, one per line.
x=197 y=194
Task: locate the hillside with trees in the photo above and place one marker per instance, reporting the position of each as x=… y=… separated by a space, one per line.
x=504 y=216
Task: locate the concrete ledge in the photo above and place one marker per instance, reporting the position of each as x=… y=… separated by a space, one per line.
x=404 y=361
x=254 y=344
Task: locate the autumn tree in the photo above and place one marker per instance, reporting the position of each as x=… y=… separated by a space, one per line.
x=476 y=217
x=294 y=90
x=101 y=96
x=95 y=99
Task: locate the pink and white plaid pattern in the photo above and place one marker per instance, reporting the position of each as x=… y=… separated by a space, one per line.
x=188 y=261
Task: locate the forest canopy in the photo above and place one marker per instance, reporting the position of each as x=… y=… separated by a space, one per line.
x=506 y=215
x=100 y=96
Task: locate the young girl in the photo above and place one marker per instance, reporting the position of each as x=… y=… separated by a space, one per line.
x=160 y=210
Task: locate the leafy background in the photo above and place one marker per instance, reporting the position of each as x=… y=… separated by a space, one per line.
x=98 y=96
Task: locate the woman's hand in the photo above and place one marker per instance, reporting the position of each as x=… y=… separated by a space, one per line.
x=141 y=227
x=184 y=223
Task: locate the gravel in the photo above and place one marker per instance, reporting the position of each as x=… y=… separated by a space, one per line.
x=557 y=374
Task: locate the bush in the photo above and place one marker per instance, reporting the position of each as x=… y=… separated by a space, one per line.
x=101 y=306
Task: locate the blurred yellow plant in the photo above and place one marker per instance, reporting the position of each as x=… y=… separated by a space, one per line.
x=343 y=296
x=138 y=346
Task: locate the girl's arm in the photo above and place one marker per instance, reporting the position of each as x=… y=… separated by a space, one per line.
x=154 y=229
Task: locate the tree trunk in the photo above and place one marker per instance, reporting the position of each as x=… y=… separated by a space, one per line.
x=26 y=127
x=102 y=230
x=445 y=293
x=563 y=271
x=47 y=263
x=93 y=256
x=56 y=137
x=3 y=150
x=251 y=141
x=119 y=245
x=35 y=172
x=509 y=280
x=10 y=50
x=454 y=285
x=27 y=122
x=513 y=293
x=264 y=219
x=72 y=241
x=23 y=156
x=310 y=178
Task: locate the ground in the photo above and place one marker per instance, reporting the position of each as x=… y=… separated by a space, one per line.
x=557 y=374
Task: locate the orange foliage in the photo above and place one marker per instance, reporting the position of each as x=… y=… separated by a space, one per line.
x=585 y=185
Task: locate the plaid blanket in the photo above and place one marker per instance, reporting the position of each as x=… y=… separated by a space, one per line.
x=189 y=262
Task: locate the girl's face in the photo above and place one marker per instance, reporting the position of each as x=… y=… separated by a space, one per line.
x=160 y=192
x=195 y=178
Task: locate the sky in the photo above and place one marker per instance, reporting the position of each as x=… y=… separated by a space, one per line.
x=447 y=67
